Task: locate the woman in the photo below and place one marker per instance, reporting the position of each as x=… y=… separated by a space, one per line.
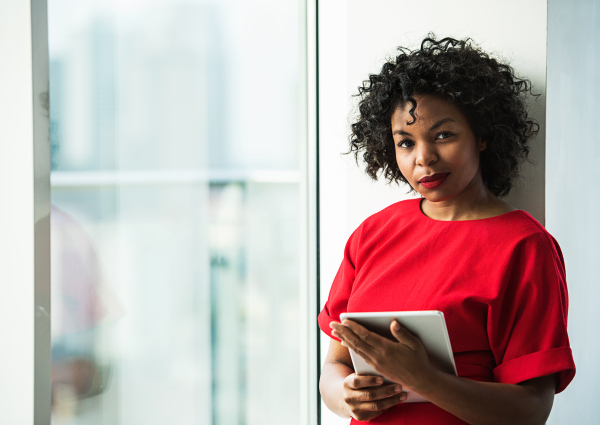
x=452 y=123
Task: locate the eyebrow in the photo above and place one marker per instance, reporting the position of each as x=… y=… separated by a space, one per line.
x=433 y=127
x=440 y=122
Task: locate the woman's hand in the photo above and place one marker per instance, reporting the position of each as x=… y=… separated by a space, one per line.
x=365 y=397
x=403 y=361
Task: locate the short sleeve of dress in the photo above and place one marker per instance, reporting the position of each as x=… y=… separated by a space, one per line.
x=527 y=324
x=341 y=288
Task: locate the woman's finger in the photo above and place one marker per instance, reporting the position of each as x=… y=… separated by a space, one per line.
x=356 y=382
x=346 y=333
x=403 y=335
x=366 y=335
x=383 y=404
x=377 y=393
x=352 y=341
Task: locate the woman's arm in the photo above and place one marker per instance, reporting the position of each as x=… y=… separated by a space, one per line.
x=490 y=403
x=477 y=403
x=349 y=395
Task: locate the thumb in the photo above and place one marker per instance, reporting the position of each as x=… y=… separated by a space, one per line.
x=403 y=335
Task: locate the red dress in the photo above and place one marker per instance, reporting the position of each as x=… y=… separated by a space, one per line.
x=500 y=282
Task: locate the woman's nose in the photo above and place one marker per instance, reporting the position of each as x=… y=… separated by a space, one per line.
x=425 y=154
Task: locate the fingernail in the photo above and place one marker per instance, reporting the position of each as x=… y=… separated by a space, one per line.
x=403 y=396
x=379 y=381
x=397 y=388
x=396 y=326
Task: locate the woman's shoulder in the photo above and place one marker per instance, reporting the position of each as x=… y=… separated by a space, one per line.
x=387 y=222
x=392 y=216
x=407 y=208
x=528 y=238
x=393 y=212
x=520 y=224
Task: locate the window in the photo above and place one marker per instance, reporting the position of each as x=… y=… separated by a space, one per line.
x=177 y=134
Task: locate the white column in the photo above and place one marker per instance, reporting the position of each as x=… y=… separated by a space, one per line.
x=25 y=214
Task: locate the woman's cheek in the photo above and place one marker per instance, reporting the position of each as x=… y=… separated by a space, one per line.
x=403 y=165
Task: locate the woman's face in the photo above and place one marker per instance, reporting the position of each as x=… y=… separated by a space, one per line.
x=438 y=154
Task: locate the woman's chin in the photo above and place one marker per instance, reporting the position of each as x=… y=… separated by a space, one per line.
x=435 y=196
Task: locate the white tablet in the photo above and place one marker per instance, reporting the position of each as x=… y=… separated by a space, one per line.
x=428 y=326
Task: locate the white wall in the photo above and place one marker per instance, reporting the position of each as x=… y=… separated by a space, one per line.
x=573 y=206
x=354 y=38
x=16 y=228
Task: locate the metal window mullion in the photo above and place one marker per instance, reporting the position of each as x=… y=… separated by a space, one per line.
x=309 y=402
x=25 y=214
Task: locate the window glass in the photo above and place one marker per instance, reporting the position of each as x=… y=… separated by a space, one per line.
x=176 y=128
x=572 y=203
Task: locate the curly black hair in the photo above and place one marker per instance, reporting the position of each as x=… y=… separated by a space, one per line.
x=486 y=91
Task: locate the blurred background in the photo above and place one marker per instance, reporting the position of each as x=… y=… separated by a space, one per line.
x=176 y=130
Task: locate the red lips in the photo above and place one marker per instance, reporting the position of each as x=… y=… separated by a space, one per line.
x=433 y=180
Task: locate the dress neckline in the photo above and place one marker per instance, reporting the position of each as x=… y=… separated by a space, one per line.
x=427 y=218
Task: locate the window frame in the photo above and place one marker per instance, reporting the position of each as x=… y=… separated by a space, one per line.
x=25 y=220
x=25 y=225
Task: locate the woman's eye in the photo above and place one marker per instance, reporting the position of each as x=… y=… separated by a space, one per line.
x=405 y=144
x=443 y=135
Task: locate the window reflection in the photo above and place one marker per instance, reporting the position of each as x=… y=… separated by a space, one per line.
x=81 y=305
x=175 y=225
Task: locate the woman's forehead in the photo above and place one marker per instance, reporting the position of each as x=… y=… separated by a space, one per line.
x=429 y=109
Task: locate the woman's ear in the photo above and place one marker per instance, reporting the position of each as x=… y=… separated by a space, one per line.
x=482 y=144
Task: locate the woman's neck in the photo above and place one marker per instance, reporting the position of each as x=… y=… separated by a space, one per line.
x=472 y=204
